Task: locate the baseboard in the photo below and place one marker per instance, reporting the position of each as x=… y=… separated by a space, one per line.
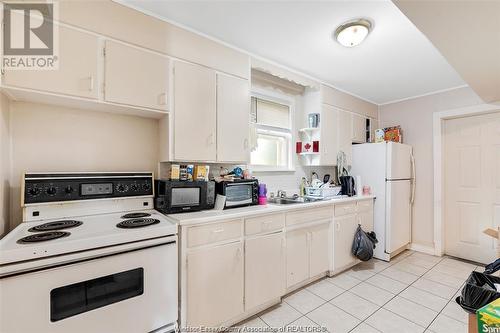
x=423 y=248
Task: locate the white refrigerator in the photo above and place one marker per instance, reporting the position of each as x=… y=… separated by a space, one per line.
x=389 y=169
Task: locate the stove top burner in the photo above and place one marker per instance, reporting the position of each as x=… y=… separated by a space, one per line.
x=137 y=223
x=42 y=237
x=56 y=225
x=135 y=215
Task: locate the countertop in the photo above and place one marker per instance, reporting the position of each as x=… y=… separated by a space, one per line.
x=214 y=215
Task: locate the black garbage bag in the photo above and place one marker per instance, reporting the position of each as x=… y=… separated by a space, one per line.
x=363 y=244
x=493 y=267
x=479 y=290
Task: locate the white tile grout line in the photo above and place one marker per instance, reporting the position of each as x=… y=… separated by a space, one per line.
x=382 y=307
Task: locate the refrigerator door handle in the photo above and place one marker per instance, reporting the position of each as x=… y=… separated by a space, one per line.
x=413 y=174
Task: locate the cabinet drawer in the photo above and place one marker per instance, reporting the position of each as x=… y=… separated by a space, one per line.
x=345 y=209
x=365 y=205
x=213 y=233
x=309 y=215
x=267 y=223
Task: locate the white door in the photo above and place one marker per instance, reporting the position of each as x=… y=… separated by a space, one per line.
x=472 y=186
x=233 y=119
x=214 y=284
x=135 y=77
x=398 y=161
x=398 y=214
x=194 y=113
x=329 y=141
x=264 y=269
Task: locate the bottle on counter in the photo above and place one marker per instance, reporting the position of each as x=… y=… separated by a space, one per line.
x=262 y=194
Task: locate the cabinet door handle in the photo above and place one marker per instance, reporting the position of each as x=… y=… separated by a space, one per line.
x=87 y=83
x=337 y=225
x=218 y=231
x=162 y=99
x=245 y=144
x=238 y=253
x=210 y=140
x=91 y=83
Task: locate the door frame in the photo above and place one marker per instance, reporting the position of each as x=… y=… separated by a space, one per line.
x=438 y=129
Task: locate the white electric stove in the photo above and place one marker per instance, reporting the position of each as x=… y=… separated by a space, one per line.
x=91 y=255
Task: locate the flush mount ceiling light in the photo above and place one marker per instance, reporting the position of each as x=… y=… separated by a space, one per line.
x=352 y=33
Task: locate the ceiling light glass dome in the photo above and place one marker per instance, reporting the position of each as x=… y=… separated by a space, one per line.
x=352 y=33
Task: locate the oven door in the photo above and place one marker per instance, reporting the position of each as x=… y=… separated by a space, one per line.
x=131 y=292
x=239 y=194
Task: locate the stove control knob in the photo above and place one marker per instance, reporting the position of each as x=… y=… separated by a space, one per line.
x=121 y=188
x=51 y=190
x=34 y=191
x=146 y=187
x=134 y=187
x=69 y=190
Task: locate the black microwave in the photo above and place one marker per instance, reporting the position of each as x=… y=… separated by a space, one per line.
x=240 y=192
x=174 y=196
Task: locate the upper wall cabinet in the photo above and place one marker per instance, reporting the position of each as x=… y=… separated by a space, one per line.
x=195 y=122
x=135 y=76
x=77 y=74
x=358 y=129
x=233 y=118
x=329 y=143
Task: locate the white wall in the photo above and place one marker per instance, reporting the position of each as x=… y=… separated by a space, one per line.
x=415 y=118
x=5 y=165
x=50 y=138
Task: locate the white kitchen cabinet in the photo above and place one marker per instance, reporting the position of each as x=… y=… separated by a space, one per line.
x=135 y=76
x=358 y=129
x=297 y=256
x=366 y=220
x=77 y=74
x=345 y=134
x=319 y=249
x=215 y=284
x=233 y=119
x=344 y=229
x=264 y=269
x=195 y=122
x=329 y=143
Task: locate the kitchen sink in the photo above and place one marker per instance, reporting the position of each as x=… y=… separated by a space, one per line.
x=292 y=200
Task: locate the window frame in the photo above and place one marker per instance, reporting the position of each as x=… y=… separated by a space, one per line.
x=279 y=98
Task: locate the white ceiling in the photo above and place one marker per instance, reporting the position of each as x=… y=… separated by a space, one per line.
x=395 y=62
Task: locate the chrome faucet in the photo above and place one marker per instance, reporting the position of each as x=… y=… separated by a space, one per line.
x=281 y=194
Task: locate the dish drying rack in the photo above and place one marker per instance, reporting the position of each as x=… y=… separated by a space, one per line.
x=322 y=192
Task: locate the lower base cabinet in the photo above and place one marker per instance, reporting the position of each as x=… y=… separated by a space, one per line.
x=215 y=284
x=264 y=269
x=297 y=257
x=345 y=228
x=307 y=253
x=319 y=261
x=347 y=218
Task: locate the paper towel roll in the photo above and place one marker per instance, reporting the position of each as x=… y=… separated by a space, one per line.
x=359 y=186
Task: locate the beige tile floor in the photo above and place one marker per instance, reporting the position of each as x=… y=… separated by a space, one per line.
x=415 y=292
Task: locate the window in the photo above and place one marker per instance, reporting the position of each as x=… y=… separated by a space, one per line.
x=273 y=124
